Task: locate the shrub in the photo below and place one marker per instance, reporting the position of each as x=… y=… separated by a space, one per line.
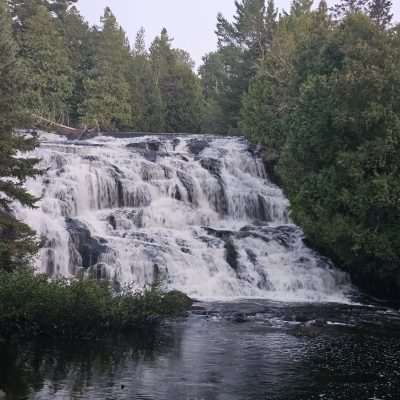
x=33 y=305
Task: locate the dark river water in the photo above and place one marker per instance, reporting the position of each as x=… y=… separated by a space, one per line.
x=252 y=349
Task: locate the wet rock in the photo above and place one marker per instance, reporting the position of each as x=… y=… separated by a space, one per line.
x=239 y=318
x=196 y=146
x=90 y=158
x=232 y=255
x=168 y=173
x=188 y=184
x=263 y=213
x=199 y=310
x=255 y=150
x=177 y=194
x=175 y=143
x=112 y=221
x=212 y=165
x=219 y=233
x=149 y=149
x=151 y=145
x=300 y=318
x=311 y=329
x=89 y=248
x=252 y=256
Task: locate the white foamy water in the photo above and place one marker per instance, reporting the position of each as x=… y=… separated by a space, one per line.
x=196 y=213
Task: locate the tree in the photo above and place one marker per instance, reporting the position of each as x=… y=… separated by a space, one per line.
x=146 y=104
x=107 y=94
x=380 y=12
x=242 y=45
x=299 y=7
x=17 y=243
x=212 y=75
x=21 y=10
x=180 y=100
x=78 y=40
x=273 y=92
x=45 y=57
x=345 y=7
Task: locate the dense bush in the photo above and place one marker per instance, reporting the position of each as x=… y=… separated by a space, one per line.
x=32 y=305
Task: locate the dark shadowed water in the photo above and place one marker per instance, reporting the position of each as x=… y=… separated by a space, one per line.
x=247 y=350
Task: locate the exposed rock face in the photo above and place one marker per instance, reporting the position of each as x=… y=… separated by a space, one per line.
x=90 y=249
x=196 y=146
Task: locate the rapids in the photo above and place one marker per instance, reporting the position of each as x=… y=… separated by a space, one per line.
x=193 y=213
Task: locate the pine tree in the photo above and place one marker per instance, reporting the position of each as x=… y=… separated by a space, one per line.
x=17 y=241
x=22 y=10
x=380 y=12
x=180 y=104
x=243 y=45
x=107 y=92
x=145 y=97
x=47 y=61
x=78 y=41
x=345 y=7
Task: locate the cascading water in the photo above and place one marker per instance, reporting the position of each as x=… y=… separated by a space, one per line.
x=196 y=213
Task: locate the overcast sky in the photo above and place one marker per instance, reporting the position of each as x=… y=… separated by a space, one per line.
x=190 y=22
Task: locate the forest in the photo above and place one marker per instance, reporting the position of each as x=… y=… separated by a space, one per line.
x=317 y=87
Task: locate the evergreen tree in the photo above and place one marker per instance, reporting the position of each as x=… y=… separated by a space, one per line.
x=107 y=94
x=79 y=43
x=212 y=75
x=22 y=10
x=345 y=7
x=380 y=12
x=145 y=96
x=299 y=7
x=17 y=241
x=46 y=59
x=179 y=99
x=242 y=44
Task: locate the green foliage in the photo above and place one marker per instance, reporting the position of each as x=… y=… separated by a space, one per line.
x=326 y=106
x=50 y=74
x=242 y=45
x=178 y=92
x=107 y=100
x=17 y=242
x=32 y=305
x=89 y=76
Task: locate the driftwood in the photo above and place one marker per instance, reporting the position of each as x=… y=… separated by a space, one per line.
x=64 y=130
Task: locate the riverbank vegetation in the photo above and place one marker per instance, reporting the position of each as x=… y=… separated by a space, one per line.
x=32 y=305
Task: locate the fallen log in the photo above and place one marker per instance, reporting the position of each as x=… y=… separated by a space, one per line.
x=64 y=130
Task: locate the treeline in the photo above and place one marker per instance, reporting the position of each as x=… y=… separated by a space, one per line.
x=92 y=76
x=319 y=88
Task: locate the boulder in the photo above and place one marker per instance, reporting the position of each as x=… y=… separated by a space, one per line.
x=196 y=146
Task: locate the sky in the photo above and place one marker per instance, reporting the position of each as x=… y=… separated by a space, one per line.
x=190 y=22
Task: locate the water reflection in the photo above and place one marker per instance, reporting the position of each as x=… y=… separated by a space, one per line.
x=210 y=355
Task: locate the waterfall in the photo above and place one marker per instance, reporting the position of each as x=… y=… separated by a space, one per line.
x=195 y=213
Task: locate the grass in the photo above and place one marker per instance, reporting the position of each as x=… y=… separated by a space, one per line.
x=32 y=305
